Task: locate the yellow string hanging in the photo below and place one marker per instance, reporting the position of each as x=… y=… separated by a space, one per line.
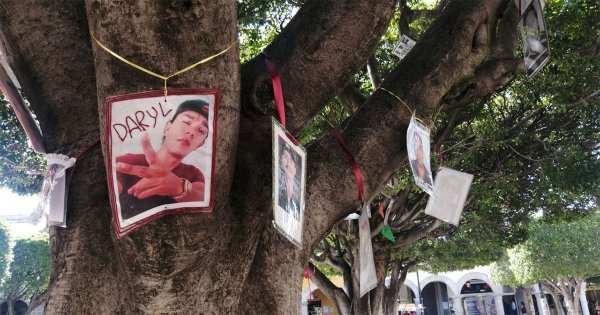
x=154 y=74
x=402 y=102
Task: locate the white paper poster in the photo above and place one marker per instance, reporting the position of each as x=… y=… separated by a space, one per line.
x=417 y=147
x=368 y=276
x=451 y=190
x=404 y=46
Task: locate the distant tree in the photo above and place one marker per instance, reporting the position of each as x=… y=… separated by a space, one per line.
x=4 y=249
x=20 y=166
x=29 y=272
x=560 y=255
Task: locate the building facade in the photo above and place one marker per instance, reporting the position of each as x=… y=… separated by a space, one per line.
x=467 y=292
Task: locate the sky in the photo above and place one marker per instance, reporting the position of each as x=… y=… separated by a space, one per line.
x=18 y=208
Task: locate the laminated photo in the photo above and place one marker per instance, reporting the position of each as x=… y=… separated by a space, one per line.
x=160 y=154
x=535 y=38
x=404 y=46
x=289 y=178
x=417 y=147
x=368 y=275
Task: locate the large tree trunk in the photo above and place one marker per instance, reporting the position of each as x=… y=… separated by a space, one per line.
x=231 y=261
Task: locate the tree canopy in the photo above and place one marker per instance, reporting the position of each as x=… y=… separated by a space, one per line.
x=4 y=249
x=552 y=250
x=560 y=255
x=20 y=167
x=29 y=270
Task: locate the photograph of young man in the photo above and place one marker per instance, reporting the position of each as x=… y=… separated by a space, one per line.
x=289 y=180
x=418 y=164
x=158 y=177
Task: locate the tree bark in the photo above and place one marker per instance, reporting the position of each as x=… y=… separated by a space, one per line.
x=230 y=261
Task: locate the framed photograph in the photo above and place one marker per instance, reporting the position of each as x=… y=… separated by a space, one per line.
x=161 y=154
x=289 y=178
x=535 y=38
x=418 y=148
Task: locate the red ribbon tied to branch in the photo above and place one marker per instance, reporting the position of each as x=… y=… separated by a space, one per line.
x=353 y=164
x=276 y=79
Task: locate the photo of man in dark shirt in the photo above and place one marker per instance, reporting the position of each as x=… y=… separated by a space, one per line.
x=158 y=177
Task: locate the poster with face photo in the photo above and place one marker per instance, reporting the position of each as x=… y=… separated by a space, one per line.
x=160 y=154
x=289 y=177
x=535 y=38
x=417 y=147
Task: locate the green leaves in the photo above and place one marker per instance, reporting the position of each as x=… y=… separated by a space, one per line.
x=29 y=271
x=20 y=166
x=565 y=248
x=4 y=248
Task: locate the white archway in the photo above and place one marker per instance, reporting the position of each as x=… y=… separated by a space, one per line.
x=497 y=289
x=452 y=288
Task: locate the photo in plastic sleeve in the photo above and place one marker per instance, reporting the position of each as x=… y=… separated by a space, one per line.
x=289 y=178
x=368 y=275
x=404 y=46
x=451 y=191
x=535 y=38
x=160 y=154
x=417 y=147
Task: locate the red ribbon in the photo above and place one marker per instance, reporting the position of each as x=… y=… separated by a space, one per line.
x=84 y=152
x=306 y=275
x=276 y=89
x=353 y=164
x=382 y=209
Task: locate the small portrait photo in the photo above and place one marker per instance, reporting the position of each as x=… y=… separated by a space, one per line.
x=160 y=154
x=289 y=177
x=535 y=38
x=417 y=146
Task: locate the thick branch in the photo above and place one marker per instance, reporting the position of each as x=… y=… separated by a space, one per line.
x=351 y=97
x=411 y=238
x=497 y=71
x=373 y=70
x=339 y=297
x=443 y=57
x=309 y=49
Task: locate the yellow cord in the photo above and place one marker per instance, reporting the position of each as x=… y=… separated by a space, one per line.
x=154 y=74
x=401 y=101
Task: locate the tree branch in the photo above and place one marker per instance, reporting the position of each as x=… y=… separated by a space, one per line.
x=373 y=70
x=411 y=237
x=498 y=69
x=307 y=50
x=351 y=97
x=442 y=58
x=339 y=297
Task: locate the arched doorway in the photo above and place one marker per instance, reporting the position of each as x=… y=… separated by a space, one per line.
x=478 y=298
x=435 y=299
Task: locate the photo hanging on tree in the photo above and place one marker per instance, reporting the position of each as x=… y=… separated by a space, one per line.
x=451 y=191
x=535 y=37
x=417 y=147
x=404 y=46
x=289 y=178
x=161 y=154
